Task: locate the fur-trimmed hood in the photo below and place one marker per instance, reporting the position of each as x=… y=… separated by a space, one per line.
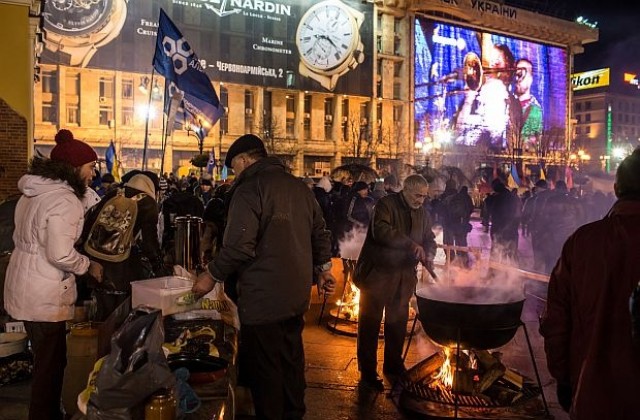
x=45 y=175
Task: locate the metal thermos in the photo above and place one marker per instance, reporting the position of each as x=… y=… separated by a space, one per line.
x=161 y=406
x=187 y=242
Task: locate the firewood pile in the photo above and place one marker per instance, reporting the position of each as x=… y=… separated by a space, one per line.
x=477 y=373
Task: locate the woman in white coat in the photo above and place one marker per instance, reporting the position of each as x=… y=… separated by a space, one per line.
x=40 y=286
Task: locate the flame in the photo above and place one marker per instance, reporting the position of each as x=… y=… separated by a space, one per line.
x=446 y=373
x=350 y=306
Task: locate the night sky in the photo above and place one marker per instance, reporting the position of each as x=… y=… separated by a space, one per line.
x=619 y=26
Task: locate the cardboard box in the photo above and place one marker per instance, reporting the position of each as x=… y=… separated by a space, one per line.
x=163 y=293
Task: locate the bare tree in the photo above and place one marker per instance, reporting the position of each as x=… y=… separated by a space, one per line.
x=359 y=141
x=273 y=133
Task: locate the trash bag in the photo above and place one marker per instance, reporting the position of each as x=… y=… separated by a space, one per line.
x=134 y=370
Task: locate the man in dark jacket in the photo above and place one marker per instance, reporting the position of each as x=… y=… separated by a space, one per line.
x=588 y=327
x=274 y=241
x=399 y=236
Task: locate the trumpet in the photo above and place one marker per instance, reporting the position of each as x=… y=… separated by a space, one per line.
x=473 y=71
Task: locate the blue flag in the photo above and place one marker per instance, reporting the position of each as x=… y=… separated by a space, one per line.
x=178 y=63
x=110 y=156
x=514 y=174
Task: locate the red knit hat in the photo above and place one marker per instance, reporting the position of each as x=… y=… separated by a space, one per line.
x=72 y=151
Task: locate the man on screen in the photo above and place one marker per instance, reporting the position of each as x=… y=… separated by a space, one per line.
x=485 y=114
x=531 y=110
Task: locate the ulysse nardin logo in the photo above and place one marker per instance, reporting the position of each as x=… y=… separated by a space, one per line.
x=224 y=8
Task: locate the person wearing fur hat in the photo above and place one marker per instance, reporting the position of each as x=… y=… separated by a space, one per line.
x=40 y=286
x=145 y=259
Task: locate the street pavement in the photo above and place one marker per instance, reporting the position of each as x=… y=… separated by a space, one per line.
x=331 y=364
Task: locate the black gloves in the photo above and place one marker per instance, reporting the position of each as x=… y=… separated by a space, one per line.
x=563 y=391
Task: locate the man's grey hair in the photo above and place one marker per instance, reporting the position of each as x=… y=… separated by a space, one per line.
x=414 y=181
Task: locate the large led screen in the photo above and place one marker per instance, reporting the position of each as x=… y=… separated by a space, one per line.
x=323 y=46
x=475 y=88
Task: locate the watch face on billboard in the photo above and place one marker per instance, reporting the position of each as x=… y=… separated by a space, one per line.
x=475 y=88
x=322 y=46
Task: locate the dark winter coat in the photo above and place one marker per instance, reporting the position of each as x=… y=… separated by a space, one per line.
x=389 y=245
x=587 y=325
x=275 y=234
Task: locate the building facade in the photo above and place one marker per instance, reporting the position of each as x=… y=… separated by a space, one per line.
x=369 y=117
x=20 y=29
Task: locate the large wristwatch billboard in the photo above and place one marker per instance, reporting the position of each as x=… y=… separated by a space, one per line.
x=323 y=46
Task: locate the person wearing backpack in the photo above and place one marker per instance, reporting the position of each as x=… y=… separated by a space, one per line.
x=40 y=287
x=122 y=233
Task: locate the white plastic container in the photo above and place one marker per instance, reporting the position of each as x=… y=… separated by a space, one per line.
x=164 y=293
x=12 y=343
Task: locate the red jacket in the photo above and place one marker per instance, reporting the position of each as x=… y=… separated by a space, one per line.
x=587 y=323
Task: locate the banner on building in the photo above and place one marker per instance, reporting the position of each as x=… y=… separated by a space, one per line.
x=590 y=79
x=322 y=46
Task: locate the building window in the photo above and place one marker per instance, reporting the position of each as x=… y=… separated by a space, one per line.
x=578 y=118
x=579 y=106
x=49 y=113
x=328 y=117
x=49 y=82
x=73 y=84
x=587 y=118
x=224 y=102
x=397 y=69
x=307 y=117
x=106 y=115
x=127 y=116
x=397 y=114
x=397 y=90
x=127 y=88
x=587 y=105
x=345 y=119
x=248 y=111
x=106 y=87
x=73 y=115
x=587 y=129
x=578 y=130
x=291 y=115
x=379 y=22
x=379 y=43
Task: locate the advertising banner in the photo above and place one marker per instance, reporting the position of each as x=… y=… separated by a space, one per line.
x=475 y=88
x=590 y=79
x=322 y=46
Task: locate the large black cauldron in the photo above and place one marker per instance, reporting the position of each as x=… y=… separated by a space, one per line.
x=478 y=318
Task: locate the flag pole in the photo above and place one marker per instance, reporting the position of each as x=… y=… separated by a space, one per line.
x=165 y=125
x=146 y=125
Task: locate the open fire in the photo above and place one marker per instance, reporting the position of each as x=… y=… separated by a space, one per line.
x=475 y=373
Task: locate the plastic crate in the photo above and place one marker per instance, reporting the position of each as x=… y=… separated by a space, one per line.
x=162 y=293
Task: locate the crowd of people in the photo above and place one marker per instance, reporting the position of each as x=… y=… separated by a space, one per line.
x=269 y=249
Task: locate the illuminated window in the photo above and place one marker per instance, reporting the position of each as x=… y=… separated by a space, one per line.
x=105 y=115
x=73 y=114
x=224 y=101
x=106 y=87
x=127 y=116
x=291 y=115
x=49 y=113
x=49 y=81
x=127 y=88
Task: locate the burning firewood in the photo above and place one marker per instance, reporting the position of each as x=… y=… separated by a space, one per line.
x=514 y=379
x=425 y=368
x=490 y=375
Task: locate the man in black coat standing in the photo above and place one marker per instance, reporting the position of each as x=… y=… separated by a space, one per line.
x=399 y=236
x=276 y=242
